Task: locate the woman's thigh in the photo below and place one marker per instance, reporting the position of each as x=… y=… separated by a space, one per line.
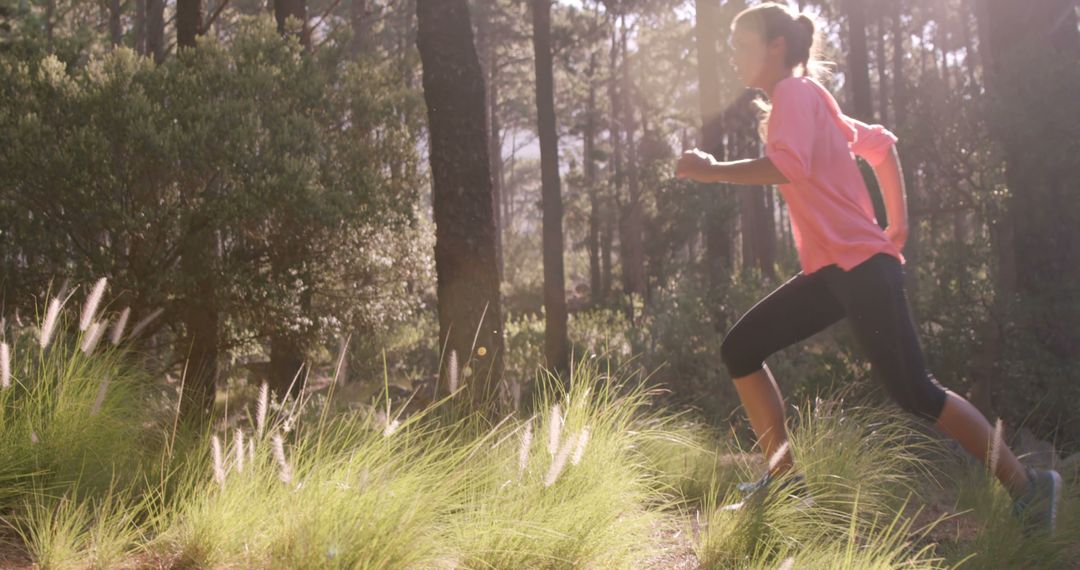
x=873 y=297
x=797 y=309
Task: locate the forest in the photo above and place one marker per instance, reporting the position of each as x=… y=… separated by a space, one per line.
x=472 y=283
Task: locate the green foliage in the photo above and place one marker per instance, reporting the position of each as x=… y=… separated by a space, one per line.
x=302 y=169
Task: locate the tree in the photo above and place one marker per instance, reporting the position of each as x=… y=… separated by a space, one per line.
x=858 y=60
x=555 y=341
x=710 y=103
x=155 y=29
x=188 y=22
x=467 y=274
x=631 y=216
x=116 y=32
x=283 y=10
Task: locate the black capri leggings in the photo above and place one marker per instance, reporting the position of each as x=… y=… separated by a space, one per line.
x=871 y=295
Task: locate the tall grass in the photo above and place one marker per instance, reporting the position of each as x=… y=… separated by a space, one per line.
x=91 y=477
x=861 y=469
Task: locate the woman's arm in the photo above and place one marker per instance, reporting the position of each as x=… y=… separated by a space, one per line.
x=891 y=181
x=703 y=167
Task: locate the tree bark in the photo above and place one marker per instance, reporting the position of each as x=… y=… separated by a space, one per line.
x=288 y=372
x=632 y=224
x=858 y=61
x=297 y=9
x=717 y=230
x=589 y=152
x=555 y=335
x=487 y=44
x=615 y=176
x=188 y=22
x=882 y=65
x=116 y=33
x=465 y=265
x=898 y=86
x=139 y=33
x=200 y=318
x=155 y=29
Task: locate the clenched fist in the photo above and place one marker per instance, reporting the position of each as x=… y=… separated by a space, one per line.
x=695 y=165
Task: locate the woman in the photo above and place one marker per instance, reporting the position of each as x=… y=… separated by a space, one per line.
x=850 y=266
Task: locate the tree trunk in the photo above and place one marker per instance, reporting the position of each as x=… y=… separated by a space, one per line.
x=765 y=232
x=50 y=13
x=899 y=108
x=1001 y=231
x=464 y=208
x=188 y=22
x=882 y=64
x=632 y=227
x=116 y=33
x=898 y=98
x=615 y=176
x=710 y=104
x=507 y=217
x=139 y=33
x=555 y=339
x=200 y=318
x=297 y=9
x=288 y=373
x=589 y=152
x=971 y=60
x=487 y=44
x=155 y=29
x=941 y=44
x=607 y=244
x=858 y=61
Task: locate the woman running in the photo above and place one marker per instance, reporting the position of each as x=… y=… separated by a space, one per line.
x=850 y=266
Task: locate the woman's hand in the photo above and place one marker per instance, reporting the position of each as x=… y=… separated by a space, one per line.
x=897 y=234
x=695 y=165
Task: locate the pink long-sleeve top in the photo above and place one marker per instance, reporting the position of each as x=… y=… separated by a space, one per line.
x=814 y=145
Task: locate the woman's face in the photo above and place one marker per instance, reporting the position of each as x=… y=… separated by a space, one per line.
x=751 y=57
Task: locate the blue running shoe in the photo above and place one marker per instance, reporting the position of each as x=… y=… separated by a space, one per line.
x=1037 y=507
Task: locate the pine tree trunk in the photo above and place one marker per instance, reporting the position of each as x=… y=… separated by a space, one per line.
x=632 y=230
x=155 y=29
x=616 y=174
x=139 y=33
x=464 y=207
x=297 y=9
x=555 y=339
x=200 y=318
x=288 y=372
x=491 y=62
x=717 y=230
x=858 y=61
x=589 y=152
x=898 y=97
x=116 y=33
x=188 y=22
x=882 y=65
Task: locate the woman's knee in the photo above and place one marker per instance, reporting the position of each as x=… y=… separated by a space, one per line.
x=924 y=398
x=739 y=357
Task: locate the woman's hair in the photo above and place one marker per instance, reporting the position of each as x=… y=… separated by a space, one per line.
x=773 y=20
